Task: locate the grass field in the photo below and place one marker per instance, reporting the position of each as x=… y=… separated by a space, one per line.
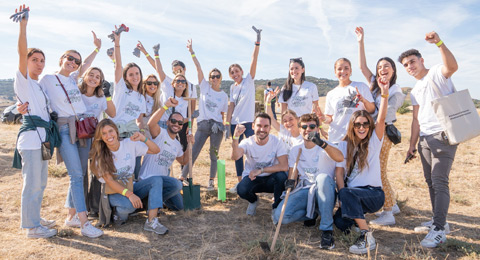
x=223 y=231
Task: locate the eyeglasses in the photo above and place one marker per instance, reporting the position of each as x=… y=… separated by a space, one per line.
x=175 y=121
x=215 y=76
x=296 y=59
x=181 y=81
x=151 y=82
x=77 y=61
x=359 y=125
x=311 y=126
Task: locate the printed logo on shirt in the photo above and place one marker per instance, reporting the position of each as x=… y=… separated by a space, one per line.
x=260 y=165
x=299 y=101
x=124 y=174
x=132 y=109
x=165 y=158
x=312 y=170
x=211 y=106
x=74 y=95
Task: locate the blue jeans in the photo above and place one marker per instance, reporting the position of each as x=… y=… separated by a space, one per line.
x=275 y=183
x=76 y=161
x=296 y=208
x=356 y=202
x=248 y=132
x=34 y=173
x=156 y=188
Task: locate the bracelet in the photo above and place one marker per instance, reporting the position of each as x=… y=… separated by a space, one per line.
x=193 y=55
x=269 y=104
x=113 y=60
x=439 y=43
x=146 y=139
x=147 y=55
x=108 y=98
x=129 y=195
x=227 y=123
x=97 y=50
x=257 y=44
x=320 y=126
x=118 y=46
x=235 y=137
x=124 y=192
x=157 y=57
x=165 y=107
x=384 y=96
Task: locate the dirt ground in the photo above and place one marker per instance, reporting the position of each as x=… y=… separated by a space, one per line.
x=221 y=230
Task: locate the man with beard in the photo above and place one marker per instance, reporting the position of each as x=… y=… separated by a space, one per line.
x=170 y=150
x=266 y=162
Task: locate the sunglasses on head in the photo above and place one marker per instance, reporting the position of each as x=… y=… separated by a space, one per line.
x=311 y=126
x=151 y=82
x=359 y=125
x=295 y=59
x=71 y=58
x=175 y=121
x=215 y=76
x=181 y=81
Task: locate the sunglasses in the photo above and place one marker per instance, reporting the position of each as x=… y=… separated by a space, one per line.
x=215 y=76
x=295 y=59
x=181 y=81
x=151 y=82
x=77 y=61
x=175 y=121
x=359 y=125
x=311 y=126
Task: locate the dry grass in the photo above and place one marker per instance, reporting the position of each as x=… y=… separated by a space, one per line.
x=223 y=231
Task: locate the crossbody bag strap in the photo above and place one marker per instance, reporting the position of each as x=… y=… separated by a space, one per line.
x=36 y=128
x=67 y=96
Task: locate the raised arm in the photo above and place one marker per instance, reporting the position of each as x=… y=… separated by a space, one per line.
x=268 y=107
x=118 y=57
x=237 y=152
x=111 y=110
x=449 y=63
x=153 y=121
x=22 y=46
x=253 y=66
x=195 y=61
x=88 y=61
x=384 y=85
x=152 y=147
x=158 y=63
x=361 y=54
x=149 y=58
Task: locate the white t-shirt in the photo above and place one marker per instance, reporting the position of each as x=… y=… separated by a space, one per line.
x=128 y=103
x=149 y=105
x=370 y=175
x=423 y=94
x=391 y=91
x=158 y=164
x=339 y=105
x=59 y=100
x=95 y=105
x=28 y=90
x=312 y=162
x=181 y=108
x=243 y=96
x=302 y=98
x=286 y=137
x=261 y=156
x=167 y=88
x=212 y=103
x=124 y=158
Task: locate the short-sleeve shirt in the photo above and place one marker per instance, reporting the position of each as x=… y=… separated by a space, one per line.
x=302 y=98
x=243 y=96
x=167 y=87
x=59 y=101
x=423 y=94
x=149 y=105
x=128 y=103
x=181 y=108
x=95 y=105
x=124 y=158
x=261 y=156
x=370 y=175
x=312 y=162
x=286 y=137
x=158 y=164
x=212 y=103
x=339 y=104
x=29 y=90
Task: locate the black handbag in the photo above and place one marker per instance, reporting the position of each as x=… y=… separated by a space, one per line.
x=393 y=134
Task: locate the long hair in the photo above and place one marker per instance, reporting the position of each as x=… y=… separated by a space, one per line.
x=355 y=144
x=101 y=157
x=156 y=95
x=374 y=88
x=98 y=92
x=287 y=87
x=125 y=70
x=184 y=93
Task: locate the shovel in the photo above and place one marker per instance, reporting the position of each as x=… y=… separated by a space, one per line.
x=263 y=244
x=191 y=193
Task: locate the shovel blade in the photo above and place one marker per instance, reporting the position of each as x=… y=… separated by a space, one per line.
x=265 y=247
x=191 y=196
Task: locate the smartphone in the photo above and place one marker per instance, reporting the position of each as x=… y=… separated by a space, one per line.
x=410 y=156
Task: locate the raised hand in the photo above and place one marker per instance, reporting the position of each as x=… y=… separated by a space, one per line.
x=137 y=136
x=189 y=46
x=315 y=138
x=117 y=31
x=20 y=14
x=156 y=48
x=384 y=84
x=140 y=47
x=259 y=32
x=269 y=97
x=432 y=37
x=190 y=139
x=106 y=88
x=97 y=42
x=110 y=53
x=171 y=102
x=239 y=130
x=359 y=32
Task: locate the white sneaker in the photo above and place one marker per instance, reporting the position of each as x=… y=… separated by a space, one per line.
x=252 y=208
x=47 y=223
x=426 y=226
x=41 y=232
x=395 y=211
x=211 y=185
x=365 y=242
x=90 y=231
x=234 y=189
x=434 y=237
x=385 y=219
x=74 y=222
x=155 y=226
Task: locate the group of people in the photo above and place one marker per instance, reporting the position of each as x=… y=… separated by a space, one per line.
x=151 y=117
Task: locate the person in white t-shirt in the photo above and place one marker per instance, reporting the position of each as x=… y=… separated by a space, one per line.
x=151 y=92
x=29 y=141
x=273 y=102
x=346 y=98
x=66 y=100
x=315 y=187
x=241 y=106
x=213 y=105
x=265 y=165
x=436 y=154
x=97 y=99
x=385 y=67
x=288 y=130
x=358 y=178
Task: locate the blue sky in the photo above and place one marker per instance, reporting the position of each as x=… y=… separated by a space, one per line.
x=319 y=31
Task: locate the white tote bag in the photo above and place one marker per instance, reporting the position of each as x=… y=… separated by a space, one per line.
x=457 y=114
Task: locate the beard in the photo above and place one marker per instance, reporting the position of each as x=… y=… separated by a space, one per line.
x=170 y=129
x=260 y=137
